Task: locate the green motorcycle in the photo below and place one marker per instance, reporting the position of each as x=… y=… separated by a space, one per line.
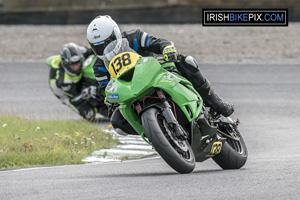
x=165 y=109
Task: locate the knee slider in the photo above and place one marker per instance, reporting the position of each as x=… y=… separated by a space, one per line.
x=88 y=114
x=191 y=61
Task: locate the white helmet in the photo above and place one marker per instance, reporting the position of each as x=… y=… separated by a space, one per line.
x=100 y=32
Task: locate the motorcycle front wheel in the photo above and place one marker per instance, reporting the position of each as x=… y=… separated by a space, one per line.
x=176 y=152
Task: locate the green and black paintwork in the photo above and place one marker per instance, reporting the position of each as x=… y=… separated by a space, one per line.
x=151 y=83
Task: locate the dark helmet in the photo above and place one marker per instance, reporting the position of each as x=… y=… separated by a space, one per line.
x=71 y=54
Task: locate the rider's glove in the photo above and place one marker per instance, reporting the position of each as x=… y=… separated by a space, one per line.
x=170 y=53
x=89 y=92
x=106 y=102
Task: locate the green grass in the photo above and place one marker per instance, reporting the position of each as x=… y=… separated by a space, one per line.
x=28 y=143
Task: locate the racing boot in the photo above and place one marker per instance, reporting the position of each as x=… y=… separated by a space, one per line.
x=211 y=99
x=188 y=67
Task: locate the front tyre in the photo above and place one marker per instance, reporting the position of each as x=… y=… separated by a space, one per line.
x=177 y=153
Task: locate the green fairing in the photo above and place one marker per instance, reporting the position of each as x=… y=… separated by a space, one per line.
x=149 y=74
x=87 y=67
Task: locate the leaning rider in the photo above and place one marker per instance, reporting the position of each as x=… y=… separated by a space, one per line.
x=73 y=82
x=103 y=30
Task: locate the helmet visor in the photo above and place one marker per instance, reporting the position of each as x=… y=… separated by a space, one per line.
x=98 y=47
x=73 y=69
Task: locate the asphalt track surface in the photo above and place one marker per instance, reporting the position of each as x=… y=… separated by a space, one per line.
x=266 y=99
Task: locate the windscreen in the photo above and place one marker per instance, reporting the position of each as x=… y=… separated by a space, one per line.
x=109 y=51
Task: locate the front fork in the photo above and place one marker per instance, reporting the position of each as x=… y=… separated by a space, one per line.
x=170 y=118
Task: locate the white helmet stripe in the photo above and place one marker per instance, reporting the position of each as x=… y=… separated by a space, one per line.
x=143 y=40
x=101 y=78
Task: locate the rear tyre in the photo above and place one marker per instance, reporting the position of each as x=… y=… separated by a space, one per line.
x=177 y=153
x=233 y=154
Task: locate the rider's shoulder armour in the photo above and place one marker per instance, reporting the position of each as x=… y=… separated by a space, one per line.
x=53 y=61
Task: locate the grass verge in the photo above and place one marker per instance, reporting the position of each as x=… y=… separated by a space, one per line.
x=29 y=143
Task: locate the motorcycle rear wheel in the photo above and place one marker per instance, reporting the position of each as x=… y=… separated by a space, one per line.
x=177 y=153
x=233 y=154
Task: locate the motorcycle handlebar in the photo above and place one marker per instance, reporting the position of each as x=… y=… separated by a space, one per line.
x=164 y=61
